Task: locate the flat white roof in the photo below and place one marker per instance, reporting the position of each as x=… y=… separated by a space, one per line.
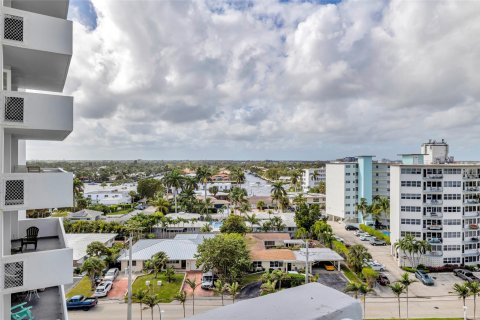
x=79 y=242
x=318 y=254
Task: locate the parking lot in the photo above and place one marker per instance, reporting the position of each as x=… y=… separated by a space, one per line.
x=443 y=281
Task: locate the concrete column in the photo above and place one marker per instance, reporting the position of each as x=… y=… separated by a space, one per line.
x=5 y=305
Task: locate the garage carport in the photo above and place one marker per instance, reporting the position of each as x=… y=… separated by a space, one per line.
x=316 y=255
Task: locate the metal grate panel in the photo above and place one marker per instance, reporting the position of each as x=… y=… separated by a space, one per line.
x=13 y=275
x=14 y=192
x=14 y=109
x=13 y=28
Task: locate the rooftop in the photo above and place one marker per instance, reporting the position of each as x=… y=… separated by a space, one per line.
x=312 y=301
x=79 y=242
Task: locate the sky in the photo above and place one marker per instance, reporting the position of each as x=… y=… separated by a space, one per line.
x=270 y=79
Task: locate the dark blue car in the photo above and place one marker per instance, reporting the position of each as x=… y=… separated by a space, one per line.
x=81 y=302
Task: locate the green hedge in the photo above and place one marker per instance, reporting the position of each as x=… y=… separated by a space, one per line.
x=340 y=248
x=378 y=234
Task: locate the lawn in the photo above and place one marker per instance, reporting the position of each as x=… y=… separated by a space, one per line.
x=251 y=277
x=120 y=212
x=83 y=287
x=351 y=276
x=166 y=291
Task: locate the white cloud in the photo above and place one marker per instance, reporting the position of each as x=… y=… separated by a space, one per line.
x=160 y=79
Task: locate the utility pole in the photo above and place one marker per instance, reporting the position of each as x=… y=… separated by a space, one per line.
x=129 y=309
x=306 y=261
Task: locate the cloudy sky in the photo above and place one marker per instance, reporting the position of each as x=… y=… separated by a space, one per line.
x=270 y=79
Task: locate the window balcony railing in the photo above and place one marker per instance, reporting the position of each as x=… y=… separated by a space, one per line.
x=471 y=201
x=433 y=189
x=433 y=176
x=434 y=202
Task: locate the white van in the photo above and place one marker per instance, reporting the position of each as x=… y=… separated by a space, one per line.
x=207 y=280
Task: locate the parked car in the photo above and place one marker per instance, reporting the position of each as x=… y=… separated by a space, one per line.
x=377 y=242
x=465 y=275
x=140 y=207
x=383 y=280
x=350 y=227
x=376 y=266
x=111 y=274
x=207 y=280
x=339 y=239
x=359 y=233
x=424 y=277
x=103 y=289
x=329 y=267
x=81 y=302
x=366 y=237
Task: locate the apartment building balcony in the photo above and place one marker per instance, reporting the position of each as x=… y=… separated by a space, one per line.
x=433 y=202
x=471 y=176
x=433 y=228
x=471 y=189
x=434 y=254
x=38 y=48
x=471 y=201
x=22 y=271
x=433 y=189
x=47 y=303
x=433 y=215
x=469 y=227
x=470 y=240
x=471 y=253
x=433 y=177
x=36 y=188
x=471 y=214
x=56 y=8
x=33 y=116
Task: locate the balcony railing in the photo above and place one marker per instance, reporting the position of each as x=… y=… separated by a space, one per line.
x=36 y=116
x=433 y=228
x=433 y=189
x=471 y=214
x=471 y=189
x=433 y=176
x=433 y=215
x=434 y=202
x=471 y=201
x=21 y=271
x=37 y=188
x=471 y=176
x=435 y=253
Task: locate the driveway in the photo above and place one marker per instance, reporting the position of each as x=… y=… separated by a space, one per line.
x=199 y=292
x=251 y=290
x=443 y=281
x=120 y=286
x=332 y=279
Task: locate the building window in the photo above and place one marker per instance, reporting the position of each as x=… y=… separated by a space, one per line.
x=276 y=264
x=451 y=260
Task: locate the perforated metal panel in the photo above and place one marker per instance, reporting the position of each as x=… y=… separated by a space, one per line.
x=13 y=28
x=14 y=192
x=13 y=275
x=14 y=109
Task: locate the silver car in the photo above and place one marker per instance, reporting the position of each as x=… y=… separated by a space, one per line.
x=111 y=274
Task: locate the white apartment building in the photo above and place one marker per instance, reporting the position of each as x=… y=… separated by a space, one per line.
x=349 y=181
x=436 y=199
x=36 y=51
x=312 y=177
x=108 y=197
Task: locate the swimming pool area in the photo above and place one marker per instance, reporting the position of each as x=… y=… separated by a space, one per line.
x=216 y=225
x=386 y=232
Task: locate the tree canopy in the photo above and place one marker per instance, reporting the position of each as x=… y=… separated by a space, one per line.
x=306 y=216
x=234 y=224
x=148 y=187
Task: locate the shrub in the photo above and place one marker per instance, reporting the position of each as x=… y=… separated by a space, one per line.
x=378 y=234
x=340 y=248
x=409 y=269
x=445 y=268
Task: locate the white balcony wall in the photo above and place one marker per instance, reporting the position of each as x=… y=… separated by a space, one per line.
x=41 y=269
x=40 y=190
x=43 y=33
x=42 y=116
x=48 y=227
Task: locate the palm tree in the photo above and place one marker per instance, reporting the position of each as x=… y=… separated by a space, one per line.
x=173 y=180
x=356 y=255
x=219 y=288
x=299 y=200
x=406 y=282
x=170 y=274
x=269 y=287
x=139 y=296
x=353 y=287
x=162 y=205
x=245 y=207
x=260 y=205
x=203 y=175
x=362 y=207
x=278 y=192
x=314 y=176
x=237 y=196
x=233 y=288
x=238 y=176
x=462 y=291
x=252 y=219
x=397 y=289
x=413 y=248
x=295 y=178
x=206 y=228
x=474 y=288
x=277 y=223
x=93 y=266
x=364 y=289
x=156 y=263
x=384 y=206
x=151 y=300
x=193 y=285
x=278 y=276
x=77 y=191
x=213 y=190
x=182 y=298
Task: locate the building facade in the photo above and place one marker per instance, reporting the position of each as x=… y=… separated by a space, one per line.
x=349 y=181
x=437 y=199
x=36 y=51
x=312 y=177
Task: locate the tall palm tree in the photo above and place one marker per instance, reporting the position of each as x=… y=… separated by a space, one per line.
x=151 y=300
x=252 y=219
x=277 y=224
x=353 y=287
x=161 y=204
x=364 y=289
x=414 y=249
x=260 y=205
x=220 y=288
x=278 y=193
x=193 y=285
x=203 y=175
x=237 y=175
x=213 y=190
x=233 y=288
x=406 y=281
x=397 y=289
x=139 y=296
x=356 y=255
x=237 y=196
x=299 y=200
x=384 y=206
x=295 y=178
x=462 y=291
x=362 y=207
x=173 y=180
x=474 y=288
x=77 y=191
x=182 y=298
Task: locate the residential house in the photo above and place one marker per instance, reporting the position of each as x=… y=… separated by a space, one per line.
x=85 y=215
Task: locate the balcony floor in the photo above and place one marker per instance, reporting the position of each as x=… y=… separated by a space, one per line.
x=47 y=307
x=43 y=244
